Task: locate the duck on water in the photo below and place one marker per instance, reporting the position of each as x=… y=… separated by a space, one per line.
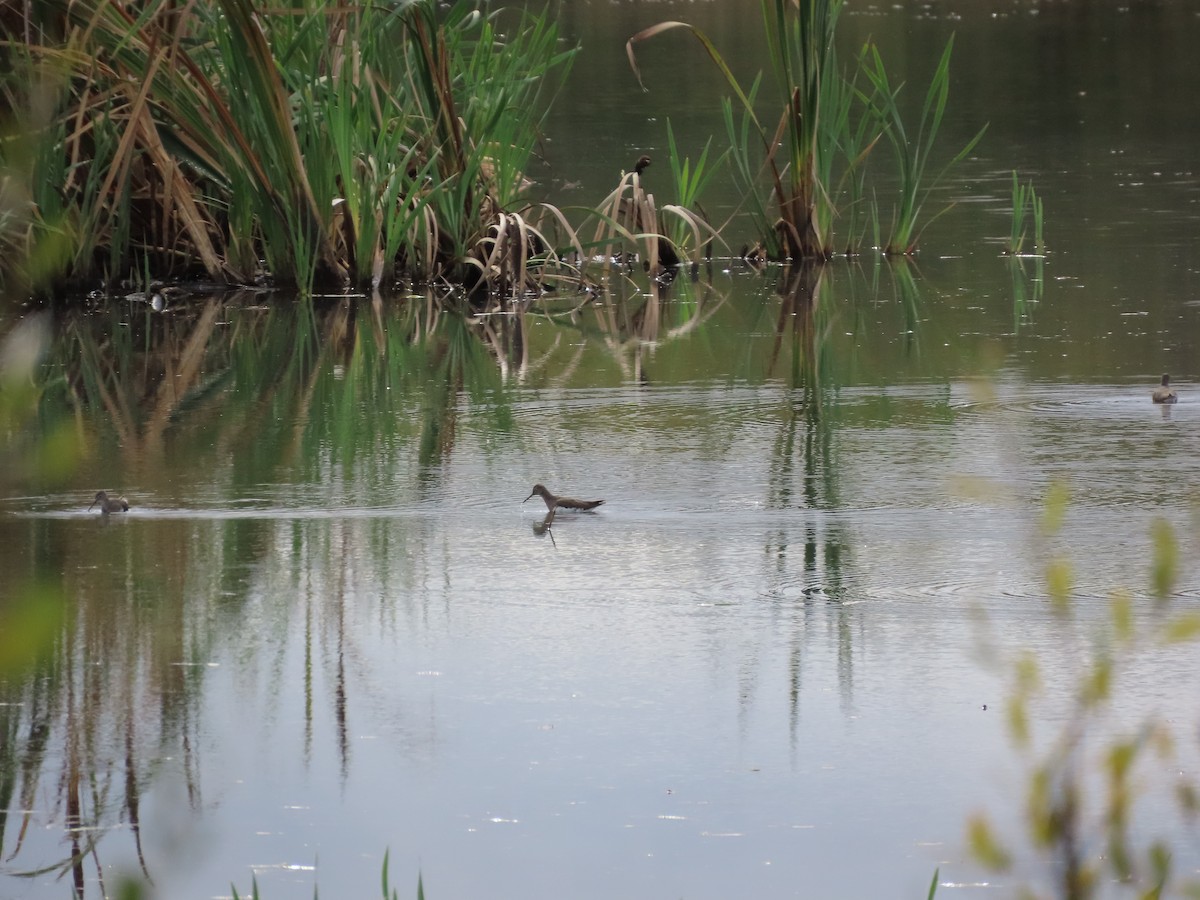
x=1164 y=393
x=109 y=504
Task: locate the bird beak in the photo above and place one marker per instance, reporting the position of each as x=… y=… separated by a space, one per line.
x=527 y=498
x=90 y=507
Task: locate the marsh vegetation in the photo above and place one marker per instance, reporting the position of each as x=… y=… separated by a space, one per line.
x=361 y=146
x=315 y=144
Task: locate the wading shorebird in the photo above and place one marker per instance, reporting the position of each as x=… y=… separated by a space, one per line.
x=1164 y=393
x=109 y=504
x=553 y=503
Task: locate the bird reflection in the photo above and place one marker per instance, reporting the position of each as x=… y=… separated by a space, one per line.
x=542 y=528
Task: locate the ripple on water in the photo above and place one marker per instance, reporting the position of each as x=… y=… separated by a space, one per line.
x=914 y=405
x=636 y=410
x=1130 y=403
x=452 y=504
x=963 y=589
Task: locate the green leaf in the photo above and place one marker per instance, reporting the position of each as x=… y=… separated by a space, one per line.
x=1059 y=582
x=1055 y=507
x=1120 y=610
x=1166 y=559
x=984 y=845
x=1184 y=627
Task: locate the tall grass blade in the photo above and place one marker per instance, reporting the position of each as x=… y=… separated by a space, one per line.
x=912 y=152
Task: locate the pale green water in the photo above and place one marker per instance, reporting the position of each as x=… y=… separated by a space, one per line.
x=328 y=626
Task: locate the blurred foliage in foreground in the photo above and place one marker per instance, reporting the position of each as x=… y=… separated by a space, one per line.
x=1086 y=777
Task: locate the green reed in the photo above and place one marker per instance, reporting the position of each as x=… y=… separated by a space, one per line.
x=1020 y=211
x=807 y=171
x=1026 y=205
x=690 y=179
x=1039 y=238
x=800 y=48
x=487 y=155
x=740 y=123
x=912 y=152
x=795 y=155
x=855 y=137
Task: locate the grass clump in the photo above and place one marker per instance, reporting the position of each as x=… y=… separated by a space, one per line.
x=318 y=143
x=1026 y=209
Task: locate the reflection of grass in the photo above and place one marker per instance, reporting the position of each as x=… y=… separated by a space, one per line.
x=39 y=445
x=1025 y=291
x=95 y=619
x=908 y=293
x=272 y=385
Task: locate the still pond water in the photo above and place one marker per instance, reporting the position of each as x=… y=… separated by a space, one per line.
x=773 y=664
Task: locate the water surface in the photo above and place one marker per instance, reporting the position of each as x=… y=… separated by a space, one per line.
x=775 y=662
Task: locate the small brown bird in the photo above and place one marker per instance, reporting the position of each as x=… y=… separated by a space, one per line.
x=1164 y=393
x=109 y=504
x=553 y=503
x=641 y=165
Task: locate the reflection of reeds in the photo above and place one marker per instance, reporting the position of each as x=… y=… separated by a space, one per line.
x=141 y=391
x=86 y=721
x=80 y=741
x=803 y=472
x=260 y=389
x=908 y=295
x=633 y=327
x=1025 y=291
